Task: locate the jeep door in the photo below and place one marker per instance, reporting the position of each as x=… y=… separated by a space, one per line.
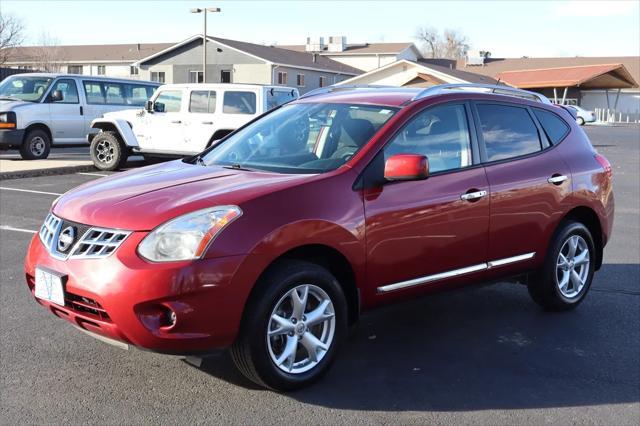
x=163 y=130
x=424 y=234
x=201 y=120
x=66 y=118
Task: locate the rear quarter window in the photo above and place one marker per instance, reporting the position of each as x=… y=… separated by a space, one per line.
x=554 y=127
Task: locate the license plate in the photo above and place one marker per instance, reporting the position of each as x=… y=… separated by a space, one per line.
x=50 y=286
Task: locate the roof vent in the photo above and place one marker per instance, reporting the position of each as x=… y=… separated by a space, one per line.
x=477 y=57
x=314 y=44
x=337 y=44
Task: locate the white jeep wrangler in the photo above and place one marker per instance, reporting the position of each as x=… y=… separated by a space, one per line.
x=181 y=120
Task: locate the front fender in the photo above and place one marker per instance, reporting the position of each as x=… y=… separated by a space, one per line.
x=118 y=125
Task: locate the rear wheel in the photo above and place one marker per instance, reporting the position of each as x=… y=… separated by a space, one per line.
x=107 y=151
x=292 y=328
x=36 y=145
x=566 y=277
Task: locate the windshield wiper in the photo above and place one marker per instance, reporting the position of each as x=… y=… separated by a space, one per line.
x=9 y=98
x=238 y=166
x=200 y=161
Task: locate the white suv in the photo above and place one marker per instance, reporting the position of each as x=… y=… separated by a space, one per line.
x=181 y=120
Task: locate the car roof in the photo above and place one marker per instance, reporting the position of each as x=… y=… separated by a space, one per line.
x=225 y=86
x=384 y=96
x=89 y=77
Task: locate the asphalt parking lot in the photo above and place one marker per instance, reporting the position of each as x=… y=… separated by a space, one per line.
x=481 y=355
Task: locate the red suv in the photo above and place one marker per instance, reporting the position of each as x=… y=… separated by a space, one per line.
x=273 y=240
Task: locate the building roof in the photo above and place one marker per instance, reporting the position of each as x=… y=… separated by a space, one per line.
x=274 y=55
x=494 y=66
x=609 y=76
x=89 y=53
x=467 y=76
x=359 y=49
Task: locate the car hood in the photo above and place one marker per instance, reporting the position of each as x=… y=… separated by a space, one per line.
x=142 y=199
x=9 y=105
x=124 y=114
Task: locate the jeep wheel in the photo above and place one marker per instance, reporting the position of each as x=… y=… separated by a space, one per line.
x=107 y=151
x=36 y=145
x=292 y=327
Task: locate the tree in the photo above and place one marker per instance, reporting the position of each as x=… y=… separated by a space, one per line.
x=49 y=55
x=450 y=45
x=11 y=36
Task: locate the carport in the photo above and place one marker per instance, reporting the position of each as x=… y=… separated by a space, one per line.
x=550 y=81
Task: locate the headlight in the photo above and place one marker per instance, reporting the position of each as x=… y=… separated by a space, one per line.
x=187 y=237
x=7 y=120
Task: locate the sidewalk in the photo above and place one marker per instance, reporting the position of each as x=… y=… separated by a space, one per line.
x=16 y=168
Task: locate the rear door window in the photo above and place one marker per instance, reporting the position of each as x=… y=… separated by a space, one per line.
x=555 y=127
x=508 y=131
x=239 y=103
x=202 y=101
x=93 y=92
x=114 y=93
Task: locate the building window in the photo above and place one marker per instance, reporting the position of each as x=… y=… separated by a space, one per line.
x=102 y=69
x=282 y=78
x=323 y=81
x=300 y=80
x=74 y=69
x=134 y=70
x=195 y=77
x=157 y=76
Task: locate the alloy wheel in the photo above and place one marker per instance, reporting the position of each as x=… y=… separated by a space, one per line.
x=572 y=266
x=301 y=329
x=105 y=151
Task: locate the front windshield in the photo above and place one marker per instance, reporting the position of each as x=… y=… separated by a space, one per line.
x=302 y=138
x=30 y=89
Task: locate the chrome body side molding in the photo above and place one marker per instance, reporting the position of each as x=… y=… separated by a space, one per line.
x=454 y=273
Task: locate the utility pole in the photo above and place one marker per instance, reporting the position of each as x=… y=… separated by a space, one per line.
x=204 y=37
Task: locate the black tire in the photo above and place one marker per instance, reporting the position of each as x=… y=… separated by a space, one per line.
x=252 y=352
x=107 y=151
x=580 y=121
x=36 y=145
x=545 y=286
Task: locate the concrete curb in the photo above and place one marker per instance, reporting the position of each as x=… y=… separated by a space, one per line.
x=47 y=172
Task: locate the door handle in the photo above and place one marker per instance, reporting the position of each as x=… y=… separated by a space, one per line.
x=557 y=179
x=207 y=122
x=176 y=122
x=470 y=196
x=81 y=110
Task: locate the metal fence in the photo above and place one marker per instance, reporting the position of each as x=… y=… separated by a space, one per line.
x=6 y=72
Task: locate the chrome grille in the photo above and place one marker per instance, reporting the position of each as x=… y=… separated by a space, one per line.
x=93 y=242
x=98 y=242
x=49 y=231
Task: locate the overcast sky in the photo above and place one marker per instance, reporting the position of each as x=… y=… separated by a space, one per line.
x=505 y=28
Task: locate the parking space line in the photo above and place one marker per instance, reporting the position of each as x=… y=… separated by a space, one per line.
x=11 y=228
x=92 y=174
x=29 y=190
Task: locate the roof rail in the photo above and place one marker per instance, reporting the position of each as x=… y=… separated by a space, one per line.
x=487 y=88
x=336 y=88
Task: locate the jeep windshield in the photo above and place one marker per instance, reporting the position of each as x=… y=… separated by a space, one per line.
x=301 y=138
x=19 y=88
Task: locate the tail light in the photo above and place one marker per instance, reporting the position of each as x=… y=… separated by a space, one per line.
x=605 y=164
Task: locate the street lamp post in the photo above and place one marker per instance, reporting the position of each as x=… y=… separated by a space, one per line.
x=204 y=38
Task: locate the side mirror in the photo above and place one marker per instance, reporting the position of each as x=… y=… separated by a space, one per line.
x=148 y=106
x=158 y=107
x=406 y=167
x=56 y=96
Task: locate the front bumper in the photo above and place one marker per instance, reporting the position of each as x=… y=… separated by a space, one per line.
x=10 y=138
x=125 y=298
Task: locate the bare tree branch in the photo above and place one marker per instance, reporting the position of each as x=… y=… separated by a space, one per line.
x=49 y=55
x=450 y=45
x=11 y=36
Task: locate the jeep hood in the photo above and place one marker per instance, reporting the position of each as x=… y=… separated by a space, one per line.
x=140 y=200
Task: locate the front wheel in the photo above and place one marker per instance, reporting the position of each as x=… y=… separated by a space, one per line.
x=107 y=152
x=580 y=121
x=568 y=271
x=292 y=327
x=36 y=145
